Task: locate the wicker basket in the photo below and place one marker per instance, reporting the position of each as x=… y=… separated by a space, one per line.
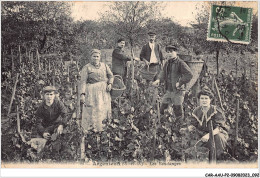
x=185 y=57
x=146 y=74
x=196 y=67
x=117 y=91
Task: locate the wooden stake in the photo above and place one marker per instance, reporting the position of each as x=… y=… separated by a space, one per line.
x=212 y=156
x=12 y=60
x=213 y=86
x=82 y=148
x=77 y=64
x=13 y=94
x=20 y=55
x=45 y=67
x=68 y=78
x=18 y=120
x=39 y=63
x=219 y=98
x=29 y=58
x=236 y=130
x=79 y=110
x=49 y=64
x=133 y=71
x=217 y=60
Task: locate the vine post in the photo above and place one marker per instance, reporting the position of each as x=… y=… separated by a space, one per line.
x=133 y=70
x=18 y=119
x=236 y=129
x=12 y=60
x=20 y=55
x=13 y=94
x=39 y=63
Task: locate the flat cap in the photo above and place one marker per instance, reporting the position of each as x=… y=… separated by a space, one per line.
x=95 y=51
x=151 y=33
x=206 y=91
x=172 y=46
x=49 y=89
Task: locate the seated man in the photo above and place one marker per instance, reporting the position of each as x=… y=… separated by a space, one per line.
x=51 y=114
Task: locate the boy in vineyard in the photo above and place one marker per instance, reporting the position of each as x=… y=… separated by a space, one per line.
x=51 y=114
x=176 y=73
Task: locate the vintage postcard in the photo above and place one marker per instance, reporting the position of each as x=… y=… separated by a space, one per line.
x=130 y=84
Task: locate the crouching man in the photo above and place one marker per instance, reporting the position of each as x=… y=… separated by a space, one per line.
x=51 y=117
x=51 y=114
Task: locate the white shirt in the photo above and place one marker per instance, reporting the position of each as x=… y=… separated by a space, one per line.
x=153 y=58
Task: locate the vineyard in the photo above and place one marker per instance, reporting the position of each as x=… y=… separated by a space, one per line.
x=134 y=134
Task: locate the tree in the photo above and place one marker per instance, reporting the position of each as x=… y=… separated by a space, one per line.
x=129 y=18
x=43 y=25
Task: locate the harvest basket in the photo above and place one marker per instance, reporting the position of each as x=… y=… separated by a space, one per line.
x=118 y=87
x=196 y=67
x=185 y=57
x=146 y=74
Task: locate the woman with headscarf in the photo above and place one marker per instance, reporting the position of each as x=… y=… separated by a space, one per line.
x=96 y=83
x=203 y=116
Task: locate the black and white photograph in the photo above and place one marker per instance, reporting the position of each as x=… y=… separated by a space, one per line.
x=130 y=84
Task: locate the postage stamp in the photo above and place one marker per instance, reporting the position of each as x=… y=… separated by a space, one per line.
x=230 y=24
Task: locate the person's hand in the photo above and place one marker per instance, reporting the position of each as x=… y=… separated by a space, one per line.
x=205 y=138
x=136 y=59
x=46 y=135
x=177 y=85
x=82 y=98
x=191 y=128
x=60 y=129
x=156 y=83
x=180 y=87
x=146 y=62
x=109 y=87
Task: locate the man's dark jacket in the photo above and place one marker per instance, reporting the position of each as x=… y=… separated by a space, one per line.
x=119 y=59
x=50 y=117
x=146 y=52
x=175 y=71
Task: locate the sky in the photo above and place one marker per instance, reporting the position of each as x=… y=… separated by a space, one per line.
x=180 y=12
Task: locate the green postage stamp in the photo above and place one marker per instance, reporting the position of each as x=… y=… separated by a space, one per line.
x=229 y=23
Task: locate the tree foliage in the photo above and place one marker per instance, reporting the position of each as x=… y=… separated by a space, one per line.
x=42 y=25
x=129 y=18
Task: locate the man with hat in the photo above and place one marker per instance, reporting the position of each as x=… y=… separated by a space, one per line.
x=175 y=74
x=119 y=59
x=151 y=53
x=51 y=114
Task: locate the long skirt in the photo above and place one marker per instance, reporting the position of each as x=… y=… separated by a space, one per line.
x=97 y=108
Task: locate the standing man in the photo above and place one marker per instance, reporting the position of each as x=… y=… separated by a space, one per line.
x=119 y=59
x=175 y=74
x=151 y=54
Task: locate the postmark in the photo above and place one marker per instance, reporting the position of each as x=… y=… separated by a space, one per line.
x=230 y=24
